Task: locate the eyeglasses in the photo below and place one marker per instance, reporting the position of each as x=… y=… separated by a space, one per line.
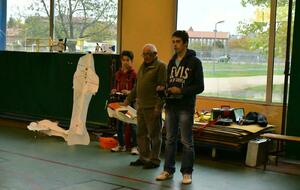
x=148 y=54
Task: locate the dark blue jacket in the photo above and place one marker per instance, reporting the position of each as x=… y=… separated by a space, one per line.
x=188 y=76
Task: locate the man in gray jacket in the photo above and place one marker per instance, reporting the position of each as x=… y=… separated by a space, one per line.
x=151 y=78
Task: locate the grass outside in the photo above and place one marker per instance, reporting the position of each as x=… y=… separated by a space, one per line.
x=218 y=70
x=257 y=93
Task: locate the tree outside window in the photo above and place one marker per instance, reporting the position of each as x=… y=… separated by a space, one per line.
x=82 y=22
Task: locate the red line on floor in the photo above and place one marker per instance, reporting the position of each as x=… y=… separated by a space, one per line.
x=89 y=169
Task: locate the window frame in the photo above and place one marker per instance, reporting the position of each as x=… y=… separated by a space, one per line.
x=270 y=66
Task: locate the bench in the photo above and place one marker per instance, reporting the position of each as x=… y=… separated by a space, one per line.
x=279 y=138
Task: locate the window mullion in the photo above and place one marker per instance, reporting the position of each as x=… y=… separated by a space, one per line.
x=51 y=21
x=270 y=69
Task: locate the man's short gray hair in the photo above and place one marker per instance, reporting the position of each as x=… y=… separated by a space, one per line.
x=152 y=47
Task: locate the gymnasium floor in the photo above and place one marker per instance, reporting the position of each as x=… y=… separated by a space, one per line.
x=38 y=162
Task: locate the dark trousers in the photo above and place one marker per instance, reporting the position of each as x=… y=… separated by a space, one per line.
x=149 y=134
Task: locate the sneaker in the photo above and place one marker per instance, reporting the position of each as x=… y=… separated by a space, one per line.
x=118 y=149
x=187 y=179
x=150 y=165
x=134 y=151
x=164 y=176
x=138 y=162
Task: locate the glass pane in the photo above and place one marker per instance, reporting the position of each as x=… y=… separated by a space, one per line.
x=231 y=39
x=27 y=25
x=280 y=49
x=87 y=22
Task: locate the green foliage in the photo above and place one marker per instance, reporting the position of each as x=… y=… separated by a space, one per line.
x=258 y=32
x=99 y=32
x=36 y=27
x=262 y=3
x=76 y=19
x=14 y=23
x=257 y=36
x=242 y=43
x=218 y=44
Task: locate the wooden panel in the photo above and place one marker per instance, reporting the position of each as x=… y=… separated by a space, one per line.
x=272 y=112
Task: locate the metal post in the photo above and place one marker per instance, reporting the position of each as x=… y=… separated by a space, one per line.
x=215 y=44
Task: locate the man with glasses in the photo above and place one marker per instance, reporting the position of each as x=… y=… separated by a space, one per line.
x=184 y=82
x=151 y=78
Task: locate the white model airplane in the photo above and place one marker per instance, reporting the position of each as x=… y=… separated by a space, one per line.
x=49 y=128
x=85 y=84
x=126 y=114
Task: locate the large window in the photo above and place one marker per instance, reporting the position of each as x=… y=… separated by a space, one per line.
x=82 y=24
x=85 y=23
x=27 y=27
x=232 y=39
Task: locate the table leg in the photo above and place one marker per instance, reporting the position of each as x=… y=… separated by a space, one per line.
x=213 y=152
x=277 y=152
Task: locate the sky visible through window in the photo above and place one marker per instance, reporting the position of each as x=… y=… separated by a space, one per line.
x=17 y=8
x=202 y=15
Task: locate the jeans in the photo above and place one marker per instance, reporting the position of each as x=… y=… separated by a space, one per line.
x=179 y=119
x=120 y=132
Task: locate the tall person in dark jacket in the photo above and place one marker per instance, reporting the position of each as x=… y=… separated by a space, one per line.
x=184 y=82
